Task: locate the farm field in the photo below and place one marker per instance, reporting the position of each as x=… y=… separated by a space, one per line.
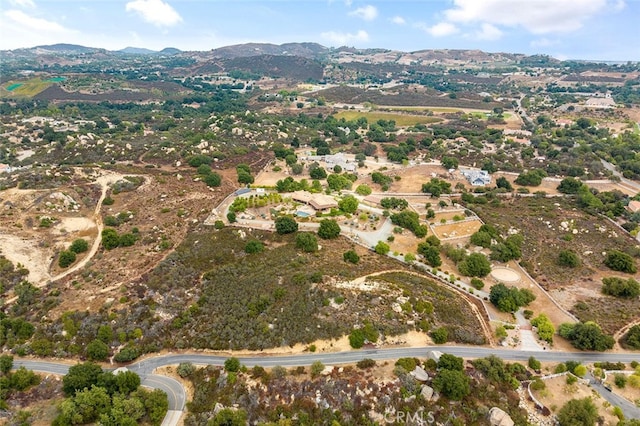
x=26 y=88
x=402 y=120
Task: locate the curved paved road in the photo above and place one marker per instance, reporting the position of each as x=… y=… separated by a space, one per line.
x=629 y=409
x=177 y=395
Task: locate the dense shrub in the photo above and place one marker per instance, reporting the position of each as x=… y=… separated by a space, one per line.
x=66 y=258
x=79 y=245
x=568 y=258
x=307 y=242
x=586 y=336
x=351 y=256
x=509 y=299
x=253 y=246
x=328 y=229
x=619 y=287
x=619 y=261
x=286 y=225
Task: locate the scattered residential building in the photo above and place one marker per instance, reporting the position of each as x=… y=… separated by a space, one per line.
x=333 y=160
x=597 y=102
x=477 y=177
x=319 y=202
x=634 y=206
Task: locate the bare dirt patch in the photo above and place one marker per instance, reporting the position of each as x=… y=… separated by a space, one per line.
x=557 y=393
x=455 y=230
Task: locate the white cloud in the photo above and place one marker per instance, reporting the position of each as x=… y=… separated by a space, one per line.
x=441 y=29
x=488 y=32
x=22 y=3
x=348 y=3
x=537 y=16
x=398 y=20
x=543 y=42
x=619 y=5
x=36 y=24
x=156 y=12
x=342 y=39
x=29 y=31
x=368 y=13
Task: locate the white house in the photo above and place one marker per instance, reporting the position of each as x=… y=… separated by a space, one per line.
x=477 y=177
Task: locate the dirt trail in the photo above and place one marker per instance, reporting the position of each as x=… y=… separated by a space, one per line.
x=26 y=250
x=104 y=181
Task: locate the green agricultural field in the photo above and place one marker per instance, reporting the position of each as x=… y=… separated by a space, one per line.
x=401 y=120
x=26 y=88
x=442 y=110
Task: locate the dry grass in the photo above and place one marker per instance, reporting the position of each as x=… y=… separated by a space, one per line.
x=401 y=120
x=28 y=88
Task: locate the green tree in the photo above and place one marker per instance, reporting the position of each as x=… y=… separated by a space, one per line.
x=185 y=369
x=619 y=287
x=351 y=256
x=286 y=225
x=317 y=173
x=110 y=239
x=253 y=246
x=568 y=258
x=363 y=189
x=382 y=248
x=232 y=365
x=545 y=327
x=213 y=179
x=22 y=379
x=619 y=261
x=6 y=363
x=231 y=217
x=105 y=333
x=316 y=368
x=348 y=204
x=534 y=364
x=80 y=376
x=569 y=185
x=328 y=229
x=97 y=350
x=578 y=412
x=430 y=253
x=481 y=238
x=450 y=362
x=79 y=245
x=509 y=299
x=356 y=338
x=229 y=417
x=307 y=242
x=632 y=338
x=66 y=258
x=127 y=382
x=502 y=182
x=475 y=265
x=440 y=335
x=449 y=162
x=454 y=385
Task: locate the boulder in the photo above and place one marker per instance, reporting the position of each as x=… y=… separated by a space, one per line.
x=498 y=417
x=426 y=392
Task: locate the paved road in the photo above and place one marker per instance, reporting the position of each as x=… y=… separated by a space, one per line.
x=630 y=410
x=174 y=390
x=177 y=395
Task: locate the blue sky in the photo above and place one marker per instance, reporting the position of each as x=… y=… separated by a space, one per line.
x=566 y=29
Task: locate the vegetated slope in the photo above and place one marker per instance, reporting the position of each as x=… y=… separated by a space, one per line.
x=402 y=96
x=540 y=221
x=307 y=50
x=450 y=310
x=352 y=395
x=293 y=67
x=282 y=296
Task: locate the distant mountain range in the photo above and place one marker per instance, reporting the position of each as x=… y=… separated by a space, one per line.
x=64 y=48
